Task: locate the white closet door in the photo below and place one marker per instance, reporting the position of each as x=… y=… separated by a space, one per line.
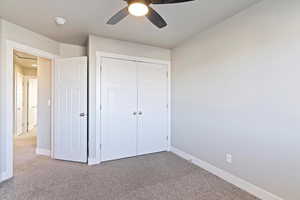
x=70 y=115
x=152 y=108
x=119 y=106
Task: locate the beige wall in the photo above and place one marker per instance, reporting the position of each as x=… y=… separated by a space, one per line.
x=118 y=47
x=44 y=109
x=235 y=90
x=24 y=36
x=68 y=50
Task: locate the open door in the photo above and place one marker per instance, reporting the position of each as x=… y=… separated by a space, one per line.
x=70 y=109
x=19 y=104
x=32 y=103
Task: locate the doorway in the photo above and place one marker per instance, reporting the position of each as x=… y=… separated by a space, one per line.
x=32 y=108
x=70 y=73
x=44 y=109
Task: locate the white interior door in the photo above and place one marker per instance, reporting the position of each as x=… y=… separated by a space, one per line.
x=19 y=103
x=152 y=108
x=119 y=107
x=32 y=103
x=70 y=115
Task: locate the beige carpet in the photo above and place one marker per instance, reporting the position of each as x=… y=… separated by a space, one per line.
x=24 y=150
x=162 y=176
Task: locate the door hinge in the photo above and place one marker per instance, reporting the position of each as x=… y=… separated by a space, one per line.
x=167 y=74
x=167 y=106
x=100 y=146
x=100 y=68
x=167 y=137
x=100 y=107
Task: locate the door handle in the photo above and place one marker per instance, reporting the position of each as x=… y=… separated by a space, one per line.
x=134 y=113
x=140 y=113
x=82 y=114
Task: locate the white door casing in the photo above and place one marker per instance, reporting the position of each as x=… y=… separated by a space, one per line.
x=152 y=108
x=70 y=112
x=119 y=109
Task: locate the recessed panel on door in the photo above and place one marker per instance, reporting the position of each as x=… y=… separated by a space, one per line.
x=152 y=108
x=70 y=116
x=119 y=109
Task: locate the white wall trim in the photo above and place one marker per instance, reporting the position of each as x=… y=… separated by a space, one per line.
x=93 y=162
x=99 y=56
x=4 y=176
x=133 y=58
x=244 y=185
x=43 y=152
x=8 y=112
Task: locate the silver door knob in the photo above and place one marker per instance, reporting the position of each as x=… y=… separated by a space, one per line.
x=140 y=113
x=134 y=113
x=82 y=114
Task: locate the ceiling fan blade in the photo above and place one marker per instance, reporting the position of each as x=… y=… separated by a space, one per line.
x=119 y=16
x=155 y=18
x=169 y=1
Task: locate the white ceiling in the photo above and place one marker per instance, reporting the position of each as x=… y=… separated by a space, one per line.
x=90 y=16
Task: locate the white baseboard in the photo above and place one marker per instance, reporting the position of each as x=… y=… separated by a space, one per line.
x=93 y=162
x=244 y=185
x=43 y=152
x=4 y=176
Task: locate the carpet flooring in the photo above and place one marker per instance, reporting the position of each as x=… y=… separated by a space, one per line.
x=161 y=176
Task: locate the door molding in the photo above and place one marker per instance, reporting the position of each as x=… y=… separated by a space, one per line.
x=8 y=100
x=98 y=134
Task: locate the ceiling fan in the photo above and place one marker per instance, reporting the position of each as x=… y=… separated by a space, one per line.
x=142 y=8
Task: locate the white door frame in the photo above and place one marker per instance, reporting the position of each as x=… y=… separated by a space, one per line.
x=99 y=56
x=8 y=111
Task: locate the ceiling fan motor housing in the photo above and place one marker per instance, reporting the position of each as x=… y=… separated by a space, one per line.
x=146 y=2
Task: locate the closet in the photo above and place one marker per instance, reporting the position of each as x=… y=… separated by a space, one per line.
x=134 y=114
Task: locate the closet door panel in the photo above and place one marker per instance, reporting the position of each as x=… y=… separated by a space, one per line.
x=152 y=107
x=119 y=105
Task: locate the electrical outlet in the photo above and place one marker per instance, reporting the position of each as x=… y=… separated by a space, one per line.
x=229 y=158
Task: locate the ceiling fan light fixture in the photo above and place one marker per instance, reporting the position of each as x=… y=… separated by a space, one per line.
x=138 y=9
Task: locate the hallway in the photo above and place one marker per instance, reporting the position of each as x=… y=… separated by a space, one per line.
x=24 y=151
